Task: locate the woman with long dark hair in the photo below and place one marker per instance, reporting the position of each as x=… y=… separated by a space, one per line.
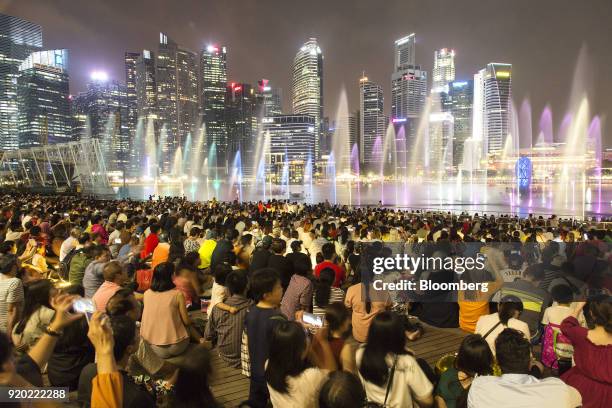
x=338 y=319
x=474 y=358
x=294 y=372
x=324 y=293
x=390 y=373
x=364 y=301
x=37 y=314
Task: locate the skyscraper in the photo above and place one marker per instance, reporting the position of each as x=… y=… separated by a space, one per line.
x=104 y=105
x=130 y=59
x=269 y=99
x=408 y=96
x=213 y=83
x=307 y=91
x=492 y=105
x=444 y=69
x=177 y=99
x=405 y=52
x=146 y=86
x=461 y=95
x=372 y=120
x=18 y=39
x=43 y=99
x=292 y=145
x=241 y=124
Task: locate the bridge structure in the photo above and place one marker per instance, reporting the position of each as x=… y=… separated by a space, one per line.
x=73 y=166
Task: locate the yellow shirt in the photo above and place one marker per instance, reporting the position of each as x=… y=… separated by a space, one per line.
x=205 y=251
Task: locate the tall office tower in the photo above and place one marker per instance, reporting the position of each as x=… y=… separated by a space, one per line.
x=269 y=99
x=241 y=125
x=18 y=39
x=461 y=95
x=177 y=95
x=104 y=108
x=43 y=99
x=444 y=68
x=492 y=105
x=213 y=83
x=130 y=59
x=292 y=146
x=308 y=86
x=327 y=136
x=372 y=120
x=405 y=52
x=146 y=87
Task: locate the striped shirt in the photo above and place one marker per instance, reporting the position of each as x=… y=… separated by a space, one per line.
x=298 y=296
x=226 y=329
x=336 y=295
x=11 y=291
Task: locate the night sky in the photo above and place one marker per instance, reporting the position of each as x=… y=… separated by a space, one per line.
x=541 y=38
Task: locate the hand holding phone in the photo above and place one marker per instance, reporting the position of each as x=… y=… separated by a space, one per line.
x=312 y=319
x=85 y=306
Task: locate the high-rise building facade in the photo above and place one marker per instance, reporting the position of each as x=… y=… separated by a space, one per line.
x=307 y=86
x=18 y=39
x=372 y=119
x=269 y=99
x=213 y=84
x=104 y=107
x=292 y=145
x=405 y=52
x=492 y=106
x=177 y=95
x=43 y=99
x=444 y=69
x=130 y=59
x=146 y=87
x=461 y=94
x=241 y=125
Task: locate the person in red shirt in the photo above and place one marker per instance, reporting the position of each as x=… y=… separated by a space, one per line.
x=98 y=228
x=329 y=250
x=150 y=242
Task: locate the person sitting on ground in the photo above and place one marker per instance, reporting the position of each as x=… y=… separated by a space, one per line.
x=70 y=243
x=83 y=255
x=219 y=291
x=473 y=359
x=527 y=289
x=325 y=293
x=508 y=312
x=115 y=276
x=390 y=373
x=186 y=279
x=11 y=293
x=338 y=320
x=592 y=372
x=192 y=384
x=329 y=261
x=166 y=325
x=36 y=316
x=278 y=261
x=161 y=252
x=207 y=248
x=261 y=254
x=292 y=381
x=342 y=390
x=150 y=242
x=298 y=295
x=124 y=344
x=94 y=276
x=224 y=328
x=515 y=387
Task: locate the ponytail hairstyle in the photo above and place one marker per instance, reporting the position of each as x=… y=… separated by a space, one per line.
x=507 y=306
x=323 y=286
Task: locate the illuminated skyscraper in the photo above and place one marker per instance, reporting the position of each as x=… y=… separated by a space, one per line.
x=241 y=125
x=177 y=90
x=213 y=84
x=461 y=95
x=18 y=39
x=146 y=87
x=269 y=99
x=492 y=106
x=408 y=97
x=444 y=69
x=130 y=59
x=104 y=107
x=43 y=99
x=372 y=120
x=308 y=86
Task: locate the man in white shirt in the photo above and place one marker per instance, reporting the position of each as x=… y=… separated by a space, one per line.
x=516 y=388
x=69 y=243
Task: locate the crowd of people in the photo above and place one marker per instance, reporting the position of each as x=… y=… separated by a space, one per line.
x=285 y=292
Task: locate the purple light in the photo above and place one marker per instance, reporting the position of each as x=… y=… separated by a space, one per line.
x=399 y=120
x=99 y=76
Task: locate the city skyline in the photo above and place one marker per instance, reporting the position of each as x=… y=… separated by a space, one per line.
x=546 y=77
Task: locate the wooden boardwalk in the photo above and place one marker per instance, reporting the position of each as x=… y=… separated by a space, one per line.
x=230 y=387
